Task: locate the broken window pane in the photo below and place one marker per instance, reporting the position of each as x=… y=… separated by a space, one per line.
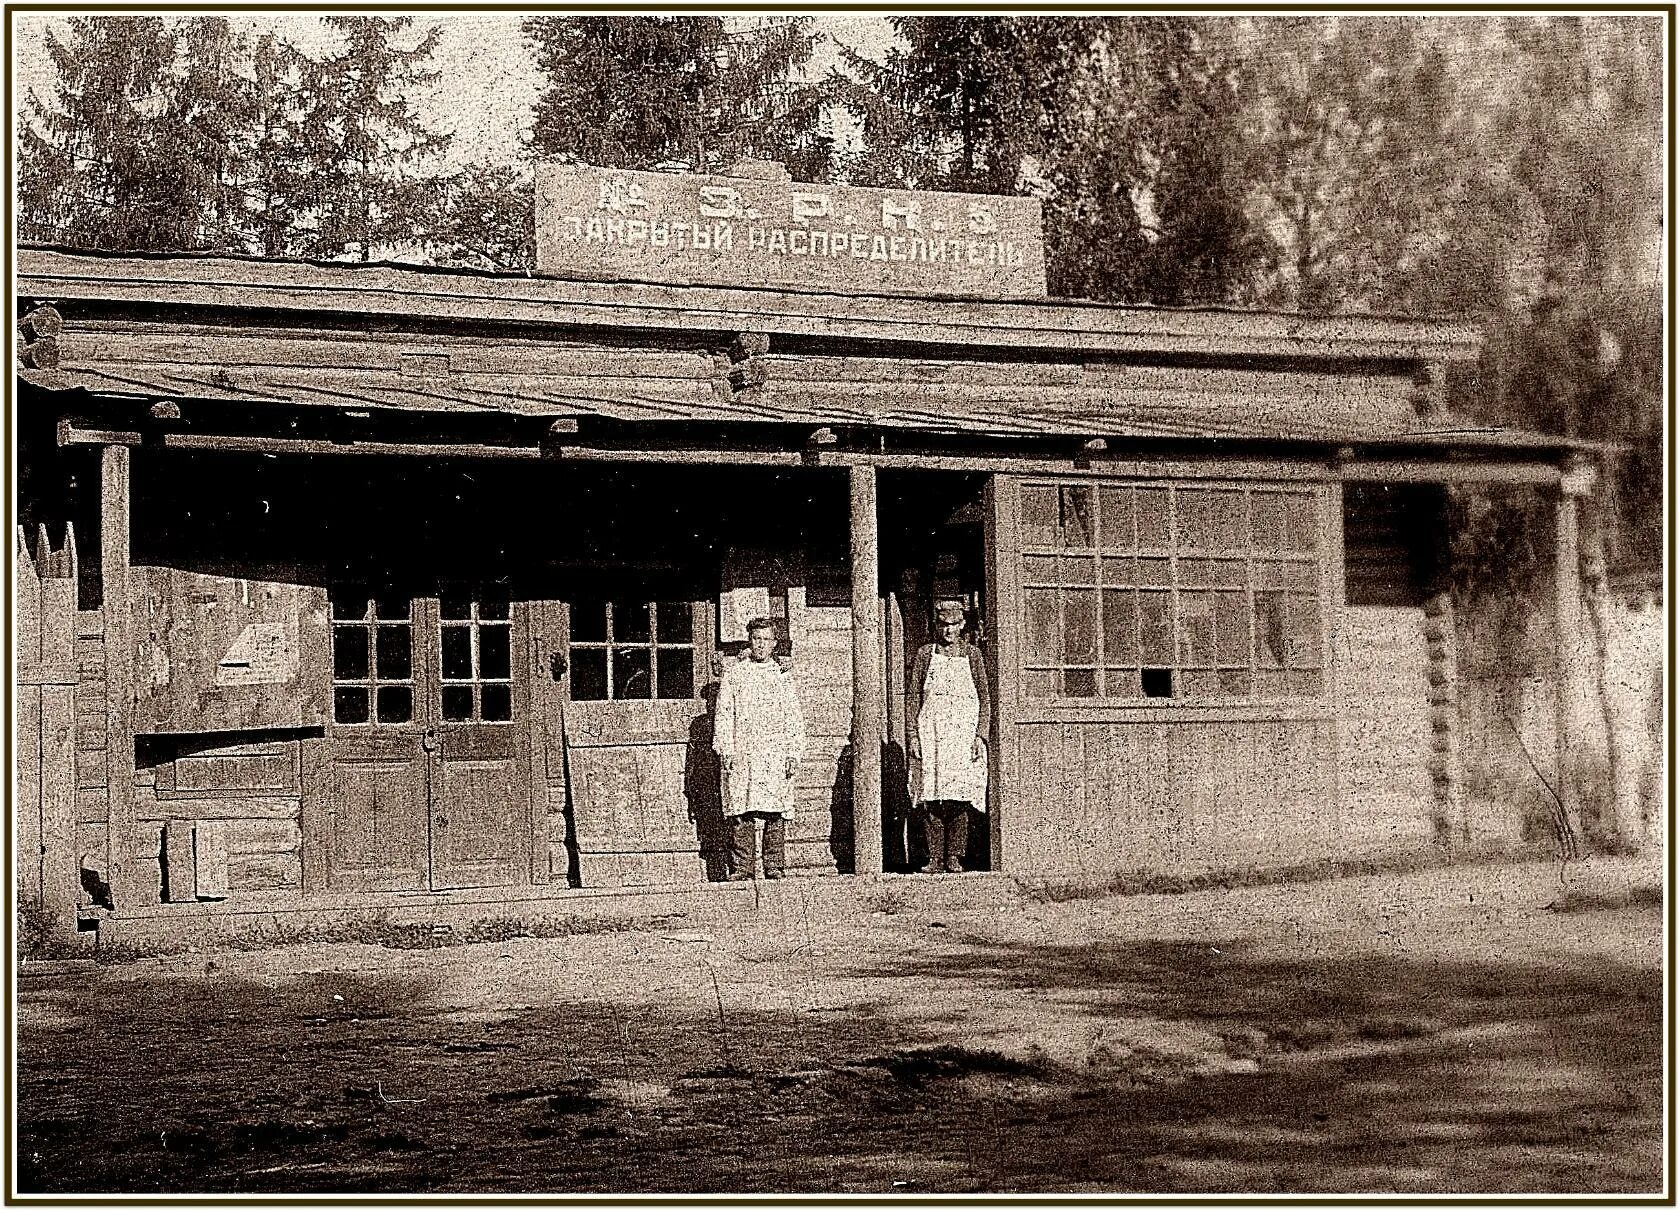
x=1268 y=629
x=1079 y=528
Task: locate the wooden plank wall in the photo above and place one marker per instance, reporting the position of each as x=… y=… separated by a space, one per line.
x=1383 y=702
x=1111 y=797
x=236 y=807
x=820 y=832
x=44 y=735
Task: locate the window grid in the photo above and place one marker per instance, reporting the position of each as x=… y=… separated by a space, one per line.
x=480 y=688
x=378 y=642
x=616 y=676
x=1134 y=590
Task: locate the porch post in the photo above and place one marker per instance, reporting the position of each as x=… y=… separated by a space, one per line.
x=866 y=675
x=1570 y=666
x=114 y=496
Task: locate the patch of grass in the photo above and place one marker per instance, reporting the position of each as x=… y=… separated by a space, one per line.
x=1154 y=883
x=1576 y=900
x=41 y=935
x=917 y=1066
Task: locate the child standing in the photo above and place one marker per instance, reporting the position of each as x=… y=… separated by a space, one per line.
x=950 y=715
x=759 y=735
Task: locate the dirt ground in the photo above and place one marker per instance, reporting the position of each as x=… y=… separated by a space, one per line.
x=1475 y=1029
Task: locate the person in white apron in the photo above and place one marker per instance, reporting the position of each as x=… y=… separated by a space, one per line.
x=759 y=737
x=950 y=717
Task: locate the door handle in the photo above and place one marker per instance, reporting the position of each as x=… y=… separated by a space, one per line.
x=428 y=739
x=557 y=666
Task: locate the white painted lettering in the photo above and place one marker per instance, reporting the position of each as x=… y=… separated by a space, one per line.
x=980 y=219
x=719 y=202
x=892 y=212
x=778 y=241
x=878 y=250
x=799 y=242
x=755 y=238
x=723 y=237
x=808 y=206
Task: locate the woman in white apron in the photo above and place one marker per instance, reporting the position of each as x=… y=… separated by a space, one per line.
x=950 y=716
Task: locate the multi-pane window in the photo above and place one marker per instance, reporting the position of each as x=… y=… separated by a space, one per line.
x=632 y=649
x=1161 y=590
x=475 y=656
x=373 y=657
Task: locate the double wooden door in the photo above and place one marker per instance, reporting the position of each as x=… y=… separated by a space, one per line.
x=427 y=772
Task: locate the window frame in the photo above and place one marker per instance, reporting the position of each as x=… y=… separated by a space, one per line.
x=1037 y=540
x=652 y=645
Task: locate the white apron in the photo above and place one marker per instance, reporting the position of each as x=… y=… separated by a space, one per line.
x=758 y=725
x=947 y=725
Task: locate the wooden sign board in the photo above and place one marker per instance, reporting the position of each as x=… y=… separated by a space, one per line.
x=600 y=223
x=215 y=653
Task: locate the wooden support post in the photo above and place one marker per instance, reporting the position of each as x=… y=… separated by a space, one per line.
x=1570 y=666
x=866 y=675
x=122 y=870
x=61 y=882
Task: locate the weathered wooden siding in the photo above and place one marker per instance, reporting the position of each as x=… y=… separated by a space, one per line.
x=1109 y=797
x=820 y=833
x=1383 y=705
x=233 y=809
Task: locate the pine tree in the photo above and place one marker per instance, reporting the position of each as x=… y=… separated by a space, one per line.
x=636 y=92
x=364 y=157
x=89 y=168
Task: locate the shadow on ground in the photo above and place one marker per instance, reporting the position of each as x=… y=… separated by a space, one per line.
x=1341 y=1075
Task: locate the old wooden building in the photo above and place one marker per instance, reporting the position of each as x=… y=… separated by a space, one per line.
x=359 y=581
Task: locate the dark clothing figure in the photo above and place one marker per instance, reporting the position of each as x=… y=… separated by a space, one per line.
x=775 y=844
x=945 y=829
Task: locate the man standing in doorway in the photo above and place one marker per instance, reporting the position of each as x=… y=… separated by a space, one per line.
x=760 y=737
x=950 y=716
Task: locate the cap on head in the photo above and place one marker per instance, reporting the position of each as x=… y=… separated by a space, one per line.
x=949 y=609
x=760 y=624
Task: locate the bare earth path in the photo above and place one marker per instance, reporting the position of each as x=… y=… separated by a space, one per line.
x=1429 y=1033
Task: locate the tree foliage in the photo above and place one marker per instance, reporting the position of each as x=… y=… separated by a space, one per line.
x=1120 y=125
x=1506 y=169
x=696 y=90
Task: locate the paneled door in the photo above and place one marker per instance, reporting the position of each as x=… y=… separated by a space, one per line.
x=427 y=783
